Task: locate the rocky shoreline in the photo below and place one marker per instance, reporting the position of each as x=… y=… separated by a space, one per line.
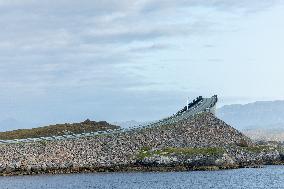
x=201 y=143
x=118 y=168
x=131 y=168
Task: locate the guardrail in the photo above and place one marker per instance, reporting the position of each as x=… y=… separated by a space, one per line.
x=203 y=105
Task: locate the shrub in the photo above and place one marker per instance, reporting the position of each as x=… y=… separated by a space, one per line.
x=243 y=143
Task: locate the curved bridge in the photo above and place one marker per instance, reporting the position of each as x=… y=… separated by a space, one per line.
x=197 y=106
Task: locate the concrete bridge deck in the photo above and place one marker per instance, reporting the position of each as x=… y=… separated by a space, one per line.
x=203 y=105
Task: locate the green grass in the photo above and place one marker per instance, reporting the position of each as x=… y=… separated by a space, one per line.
x=256 y=149
x=57 y=130
x=143 y=154
x=194 y=151
x=146 y=152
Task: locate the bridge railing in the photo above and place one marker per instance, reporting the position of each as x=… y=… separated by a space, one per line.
x=199 y=105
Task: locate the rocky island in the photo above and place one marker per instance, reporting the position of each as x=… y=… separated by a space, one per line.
x=192 y=139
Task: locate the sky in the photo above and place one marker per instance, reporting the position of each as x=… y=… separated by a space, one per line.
x=67 y=60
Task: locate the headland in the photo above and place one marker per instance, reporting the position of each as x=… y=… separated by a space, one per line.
x=191 y=139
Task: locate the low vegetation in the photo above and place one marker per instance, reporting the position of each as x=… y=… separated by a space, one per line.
x=58 y=129
x=257 y=149
x=147 y=152
x=243 y=143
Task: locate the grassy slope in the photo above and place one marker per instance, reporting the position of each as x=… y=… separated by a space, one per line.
x=146 y=152
x=58 y=129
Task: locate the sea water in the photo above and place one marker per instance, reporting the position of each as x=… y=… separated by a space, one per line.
x=267 y=177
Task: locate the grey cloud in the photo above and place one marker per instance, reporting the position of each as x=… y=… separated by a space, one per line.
x=92 y=51
x=98 y=22
x=107 y=17
x=225 y=5
x=152 y=47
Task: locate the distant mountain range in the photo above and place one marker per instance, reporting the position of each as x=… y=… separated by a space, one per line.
x=258 y=120
x=262 y=114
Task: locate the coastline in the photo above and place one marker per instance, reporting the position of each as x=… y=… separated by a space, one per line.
x=163 y=163
x=131 y=168
x=201 y=143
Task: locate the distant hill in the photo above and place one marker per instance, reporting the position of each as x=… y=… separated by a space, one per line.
x=263 y=120
x=262 y=114
x=58 y=129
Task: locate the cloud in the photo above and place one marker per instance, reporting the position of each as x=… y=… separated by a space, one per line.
x=151 y=47
x=54 y=48
x=50 y=37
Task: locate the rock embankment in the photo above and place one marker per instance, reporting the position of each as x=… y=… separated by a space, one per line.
x=200 y=141
x=216 y=158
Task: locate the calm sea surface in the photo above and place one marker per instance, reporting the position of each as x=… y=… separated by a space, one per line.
x=268 y=177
